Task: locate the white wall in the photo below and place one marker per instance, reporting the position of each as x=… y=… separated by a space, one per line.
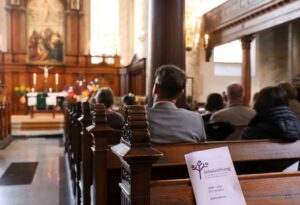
x=3 y=26
x=126 y=30
x=87 y=19
x=141 y=28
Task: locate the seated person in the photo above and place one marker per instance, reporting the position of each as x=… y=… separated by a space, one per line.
x=292 y=96
x=126 y=100
x=189 y=103
x=214 y=102
x=236 y=113
x=114 y=119
x=167 y=123
x=274 y=119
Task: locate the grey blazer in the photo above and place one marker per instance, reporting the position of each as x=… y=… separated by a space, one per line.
x=169 y=124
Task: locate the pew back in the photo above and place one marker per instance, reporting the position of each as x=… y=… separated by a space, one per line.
x=271 y=188
x=252 y=156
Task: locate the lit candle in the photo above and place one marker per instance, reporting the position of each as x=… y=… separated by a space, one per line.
x=34 y=78
x=32 y=90
x=46 y=73
x=56 y=79
x=50 y=90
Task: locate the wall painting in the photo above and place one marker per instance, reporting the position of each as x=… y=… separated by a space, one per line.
x=45 y=31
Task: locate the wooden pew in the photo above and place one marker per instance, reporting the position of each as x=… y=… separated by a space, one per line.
x=85 y=180
x=66 y=124
x=88 y=153
x=75 y=148
x=270 y=188
x=105 y=178
x=72 y=143
x=249 y=156
x=107 y=166
x=68 y=133
x=5 y=120
x=137 y=156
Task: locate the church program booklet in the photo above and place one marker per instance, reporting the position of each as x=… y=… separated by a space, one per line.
x=213 y=177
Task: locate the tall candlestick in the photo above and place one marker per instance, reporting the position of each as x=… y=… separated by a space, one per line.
x=56 y=79
x=34 y=78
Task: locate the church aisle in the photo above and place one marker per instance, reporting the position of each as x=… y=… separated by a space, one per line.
x=33 y=171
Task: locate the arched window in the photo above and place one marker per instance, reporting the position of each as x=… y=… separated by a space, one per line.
x=104 y=28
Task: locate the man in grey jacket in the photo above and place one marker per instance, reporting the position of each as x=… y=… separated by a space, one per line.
x=236 y=113
x=167 y=123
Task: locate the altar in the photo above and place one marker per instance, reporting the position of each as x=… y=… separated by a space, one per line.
x=45 y=102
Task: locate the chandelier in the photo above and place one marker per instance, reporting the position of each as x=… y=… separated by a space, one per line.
x=192 y=31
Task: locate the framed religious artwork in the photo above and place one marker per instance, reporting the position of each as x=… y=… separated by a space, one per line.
x=45 y=31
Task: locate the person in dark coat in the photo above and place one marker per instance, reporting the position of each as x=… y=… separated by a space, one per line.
x=106 y=96
x=214 y=102
x=274 y=118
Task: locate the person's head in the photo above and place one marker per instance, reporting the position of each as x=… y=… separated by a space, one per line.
x=254 y=98
x=269 y=97
x=291 y=92
x=128 y=100
x=169 y=83
x=106 y=96
x=214 y=102
x=189 y=99
x=235 y=93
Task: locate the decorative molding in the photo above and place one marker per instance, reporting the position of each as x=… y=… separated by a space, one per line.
x=237 y=18
x=135 y=129
x=235 y=11
x=98 y=113
x=125 y=176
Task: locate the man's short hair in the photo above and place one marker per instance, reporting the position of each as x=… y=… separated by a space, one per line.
x=235 y=90
x=171 y=80
x=105 y=95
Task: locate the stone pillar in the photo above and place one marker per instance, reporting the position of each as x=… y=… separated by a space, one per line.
x=166 y=39
x=246 y=68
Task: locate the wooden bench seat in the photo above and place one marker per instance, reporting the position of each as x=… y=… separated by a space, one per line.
x=258 y=189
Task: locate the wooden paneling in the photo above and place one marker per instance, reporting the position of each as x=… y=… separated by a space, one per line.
x=134 y=77
x=137 y=84
x=22 y=74
x=15 y=70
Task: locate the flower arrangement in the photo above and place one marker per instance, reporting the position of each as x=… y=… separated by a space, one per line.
x=22 y=90
x=81 y=90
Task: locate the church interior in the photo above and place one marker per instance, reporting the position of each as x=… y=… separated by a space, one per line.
x=56 y=145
